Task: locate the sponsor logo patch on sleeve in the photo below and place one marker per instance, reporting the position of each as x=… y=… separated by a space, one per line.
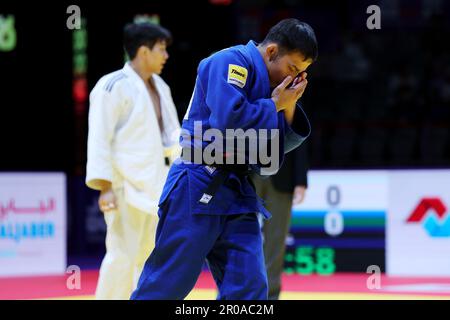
x=237 y=75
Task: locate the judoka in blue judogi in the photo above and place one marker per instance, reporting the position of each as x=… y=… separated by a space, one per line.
x=209 y=211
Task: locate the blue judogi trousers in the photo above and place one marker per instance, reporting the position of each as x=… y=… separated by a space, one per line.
x=231 y=245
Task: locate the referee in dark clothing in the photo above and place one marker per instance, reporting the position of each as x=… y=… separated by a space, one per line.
x=280 y=192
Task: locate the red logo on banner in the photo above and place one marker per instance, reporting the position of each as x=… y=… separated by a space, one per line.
x=424 y=206
x=12 y=208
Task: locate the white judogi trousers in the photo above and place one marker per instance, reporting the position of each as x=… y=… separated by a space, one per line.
x=130 y=238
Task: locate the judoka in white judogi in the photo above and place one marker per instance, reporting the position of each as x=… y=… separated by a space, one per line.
x=127 y=147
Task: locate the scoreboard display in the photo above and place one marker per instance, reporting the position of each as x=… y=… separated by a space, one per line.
x=340 y=227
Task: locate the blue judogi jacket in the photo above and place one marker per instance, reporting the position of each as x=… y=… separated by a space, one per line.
x=232 y=91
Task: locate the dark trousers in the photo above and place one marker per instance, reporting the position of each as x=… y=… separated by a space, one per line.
x=275 y=231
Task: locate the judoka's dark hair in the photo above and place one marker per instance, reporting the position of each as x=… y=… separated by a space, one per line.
x=293 y=35
x=146 y=34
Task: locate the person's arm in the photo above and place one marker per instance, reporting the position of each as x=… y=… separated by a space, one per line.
x=297 y=131
x=226 y=98
x=297 y=126
x=301 y=165
x=300 y=173
x=104 y=111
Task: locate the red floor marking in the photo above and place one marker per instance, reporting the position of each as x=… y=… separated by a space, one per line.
x=353 y=282
x=55 y=286
x=46 y=287
x=342 y=282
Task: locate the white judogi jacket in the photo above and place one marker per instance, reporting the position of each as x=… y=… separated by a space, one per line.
x=125 y=144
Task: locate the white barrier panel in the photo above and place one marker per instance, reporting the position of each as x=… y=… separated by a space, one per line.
x=32 y=224
x=418 y=228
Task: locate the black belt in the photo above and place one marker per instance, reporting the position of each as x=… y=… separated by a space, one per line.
x=239 y=169
x=221 y=176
